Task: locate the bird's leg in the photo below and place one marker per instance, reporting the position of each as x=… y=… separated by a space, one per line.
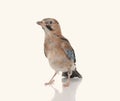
x=68 y=80
x=51 y=80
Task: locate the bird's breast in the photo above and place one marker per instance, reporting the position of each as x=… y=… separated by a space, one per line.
x=57 y=58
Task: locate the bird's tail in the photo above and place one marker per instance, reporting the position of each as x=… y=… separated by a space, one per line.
x=75 y=73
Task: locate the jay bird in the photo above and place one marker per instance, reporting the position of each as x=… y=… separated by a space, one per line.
x=58 y=51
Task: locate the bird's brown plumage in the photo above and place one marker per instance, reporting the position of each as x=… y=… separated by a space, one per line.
x=57 y=49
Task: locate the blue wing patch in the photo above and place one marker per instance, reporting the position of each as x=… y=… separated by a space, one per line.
x=70 y=54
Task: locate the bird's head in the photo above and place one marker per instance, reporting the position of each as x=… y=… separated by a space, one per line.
x=50 y=25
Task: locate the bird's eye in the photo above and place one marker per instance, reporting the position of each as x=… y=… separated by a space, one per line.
x=50 y=22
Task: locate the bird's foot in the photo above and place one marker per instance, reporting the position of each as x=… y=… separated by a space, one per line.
x=50 y=82
x=66 y=84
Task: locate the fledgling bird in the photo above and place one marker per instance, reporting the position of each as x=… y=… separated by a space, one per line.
x=58 y=50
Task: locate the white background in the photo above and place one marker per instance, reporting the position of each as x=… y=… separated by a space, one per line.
x=93 y=29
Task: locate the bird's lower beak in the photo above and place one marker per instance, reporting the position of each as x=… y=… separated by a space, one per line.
x=39 y=22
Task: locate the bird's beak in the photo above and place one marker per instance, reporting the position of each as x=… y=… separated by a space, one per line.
x=39 y=22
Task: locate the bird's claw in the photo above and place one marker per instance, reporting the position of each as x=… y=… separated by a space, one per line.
x=66 y=84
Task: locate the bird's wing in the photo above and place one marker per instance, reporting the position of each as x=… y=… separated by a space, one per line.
x=68 y=49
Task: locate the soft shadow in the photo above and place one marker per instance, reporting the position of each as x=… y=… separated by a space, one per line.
x=69 y=93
